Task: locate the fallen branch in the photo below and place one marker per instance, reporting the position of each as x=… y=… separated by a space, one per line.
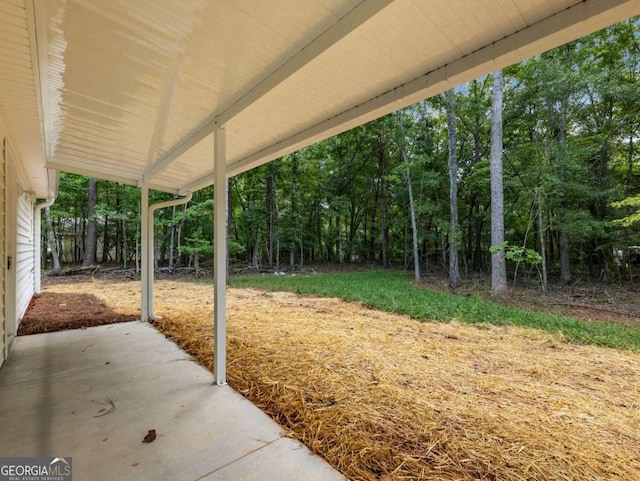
x=593 y=308
x=75 y=271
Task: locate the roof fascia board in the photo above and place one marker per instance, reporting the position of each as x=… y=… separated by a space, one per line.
x=549 y=33
x=88 y=172
x=36 y=19
x=340 y=30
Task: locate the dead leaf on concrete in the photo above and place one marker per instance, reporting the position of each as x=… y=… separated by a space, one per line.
x=150 y=437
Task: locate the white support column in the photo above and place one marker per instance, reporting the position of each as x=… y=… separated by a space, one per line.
x=144 y=257
x=37 y=244
x=151 y=243
x=150 y=262
x=220 y=257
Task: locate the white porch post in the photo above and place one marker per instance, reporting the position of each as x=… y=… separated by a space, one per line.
x=38 y=244
x=220 y=256
x=144 y=257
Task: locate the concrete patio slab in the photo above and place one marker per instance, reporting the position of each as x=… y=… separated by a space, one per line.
x=94 y=394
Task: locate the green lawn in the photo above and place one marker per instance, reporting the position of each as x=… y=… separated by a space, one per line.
x=394 y=292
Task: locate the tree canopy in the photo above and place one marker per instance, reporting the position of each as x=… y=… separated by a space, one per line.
x=379 y=194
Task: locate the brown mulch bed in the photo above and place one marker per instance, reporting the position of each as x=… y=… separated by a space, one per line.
x=56 y=311
x=383 y=397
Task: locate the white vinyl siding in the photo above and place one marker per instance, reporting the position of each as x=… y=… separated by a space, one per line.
x=24 y=262
x=3 y=294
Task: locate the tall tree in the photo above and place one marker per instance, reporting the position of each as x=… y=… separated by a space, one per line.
x=51 y=241
x=412 y=208
x=91 y=239
x=454 y=272
x=498 y=262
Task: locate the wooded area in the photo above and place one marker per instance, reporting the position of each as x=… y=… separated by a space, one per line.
x=414 y=189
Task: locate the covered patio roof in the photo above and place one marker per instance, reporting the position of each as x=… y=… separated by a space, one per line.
x=131 y=90
x=176 y=95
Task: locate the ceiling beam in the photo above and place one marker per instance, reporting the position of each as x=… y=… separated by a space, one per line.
x=102 y=175
x=340 y=30
x=91 y=172
x=327 y=39
x=192 y=139
x=200 y=183
x=165 y=107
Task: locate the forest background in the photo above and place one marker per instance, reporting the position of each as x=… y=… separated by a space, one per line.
x=413 y=189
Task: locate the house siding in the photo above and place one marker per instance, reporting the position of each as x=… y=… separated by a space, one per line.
x=25 y=245
x=4 y=349
x=17 y=242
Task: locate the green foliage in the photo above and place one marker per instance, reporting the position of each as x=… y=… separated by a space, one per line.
x=196 y=243
x=499 y=247
x=629 y=220
x=393 y=292
x=571 y=129
x=525 y=255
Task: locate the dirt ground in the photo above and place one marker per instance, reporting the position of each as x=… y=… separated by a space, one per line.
x=384 y=397
x=587 y=301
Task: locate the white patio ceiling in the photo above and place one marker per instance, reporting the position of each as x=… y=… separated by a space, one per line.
x=128 y=90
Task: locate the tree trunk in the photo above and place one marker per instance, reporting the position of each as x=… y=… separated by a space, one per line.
x=74 y=252
x=91 y=238
x=295 y=172
x=543 y=247
x=454 y=272
x=255 y=258
x=630 y=164
x=382 y=172
x=565 y=263
x=339 y=240
x=301 y=248
x=498 y=263
x=271 y=192
x=163 y=246
x=51 y=242
x=179 y=235
x=414 y=225
x=105 y=240
x=118 y=241
x=172 y=239
x=125 y=250
x=563 y=242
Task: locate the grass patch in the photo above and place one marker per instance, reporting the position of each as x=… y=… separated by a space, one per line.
x=394 y=292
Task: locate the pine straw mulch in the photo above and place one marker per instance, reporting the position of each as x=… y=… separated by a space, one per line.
x=55 y=311
x=384 y=397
